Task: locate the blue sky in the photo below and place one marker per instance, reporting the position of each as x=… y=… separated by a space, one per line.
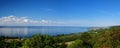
x=60 y=12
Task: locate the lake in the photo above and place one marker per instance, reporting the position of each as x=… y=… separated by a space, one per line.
x=27 y=31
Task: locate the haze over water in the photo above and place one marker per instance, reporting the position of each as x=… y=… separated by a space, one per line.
x=31 y=30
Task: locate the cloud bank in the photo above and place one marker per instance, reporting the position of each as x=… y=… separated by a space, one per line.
x=8 y=20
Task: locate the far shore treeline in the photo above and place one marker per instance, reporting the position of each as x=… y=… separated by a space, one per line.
x=99 y=38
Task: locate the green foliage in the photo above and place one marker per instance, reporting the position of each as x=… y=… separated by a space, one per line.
x=67 y=38
x=76 y=44
x=103 y=38
x=108 y=39
x=14 y=44
x=85 y=36
x=2 y=42
x=11 y=44
x=39 y=41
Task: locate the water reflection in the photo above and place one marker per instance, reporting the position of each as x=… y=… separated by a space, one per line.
x=13 y=31
x=29 y=31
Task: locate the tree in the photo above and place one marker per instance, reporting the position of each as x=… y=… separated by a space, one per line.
x=14 y=44
x=39 y=41
x=85 y=36
x=76 y=44
x=2 y=42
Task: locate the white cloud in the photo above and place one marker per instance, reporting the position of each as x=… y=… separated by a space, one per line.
x=44 y=21
x=24 y=20
x=13 y=19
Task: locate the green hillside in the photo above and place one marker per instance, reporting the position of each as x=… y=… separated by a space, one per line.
x=100 y=38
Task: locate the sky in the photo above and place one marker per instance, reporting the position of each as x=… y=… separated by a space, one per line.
x=59 y=12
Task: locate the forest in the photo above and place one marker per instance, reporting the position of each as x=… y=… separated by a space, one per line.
x=101 y=38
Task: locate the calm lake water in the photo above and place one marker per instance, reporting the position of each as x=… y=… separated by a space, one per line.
x=31 y=30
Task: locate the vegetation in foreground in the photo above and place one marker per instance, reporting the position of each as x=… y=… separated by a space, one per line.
x=102 y=38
